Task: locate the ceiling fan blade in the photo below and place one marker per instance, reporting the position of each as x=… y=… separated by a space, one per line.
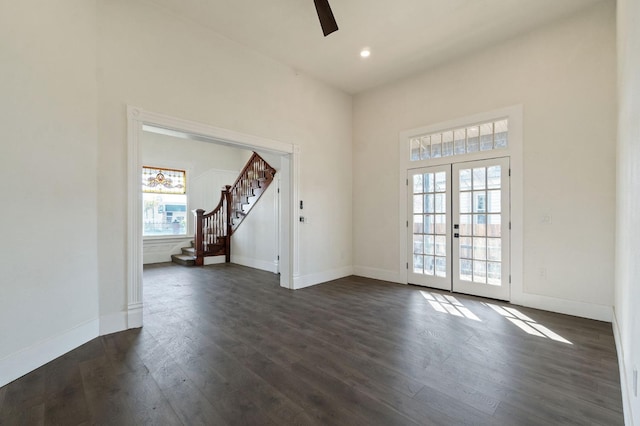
x=325 y=15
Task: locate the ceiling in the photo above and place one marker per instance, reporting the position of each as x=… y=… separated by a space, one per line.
x=405 y=36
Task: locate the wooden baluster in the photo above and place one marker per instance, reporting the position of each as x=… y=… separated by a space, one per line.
x=198 y=237
x=229 y=229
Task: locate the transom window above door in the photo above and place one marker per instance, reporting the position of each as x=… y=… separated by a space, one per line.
x=465 y=140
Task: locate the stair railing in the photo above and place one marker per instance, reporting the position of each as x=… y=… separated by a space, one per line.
x=213 y=230
x=249 y=187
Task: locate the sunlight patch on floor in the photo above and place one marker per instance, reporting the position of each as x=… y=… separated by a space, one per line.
x=448 y=305
x=527 y=324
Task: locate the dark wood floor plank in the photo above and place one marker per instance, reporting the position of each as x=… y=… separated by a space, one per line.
x=226 y=344
x=31 y=416
x=191 y=407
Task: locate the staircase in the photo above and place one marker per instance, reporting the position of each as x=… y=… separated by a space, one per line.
x=213 y=230
x=187 y=257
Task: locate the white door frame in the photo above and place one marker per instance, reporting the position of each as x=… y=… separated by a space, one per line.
x=513 y=151
x=288 y=238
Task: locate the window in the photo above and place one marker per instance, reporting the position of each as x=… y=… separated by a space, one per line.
x=483 y=137
x=164 y=201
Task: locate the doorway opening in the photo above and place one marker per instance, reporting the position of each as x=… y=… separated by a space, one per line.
x=458 y=225
x=287 y=229
x=449 y=152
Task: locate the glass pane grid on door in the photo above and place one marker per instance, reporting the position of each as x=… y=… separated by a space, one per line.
x=430 y=224
x=480 y=225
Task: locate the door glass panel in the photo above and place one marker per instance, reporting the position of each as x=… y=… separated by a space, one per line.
x=441 y=203
x=428 y=203
x=441 y=266
x=480 y=248
x=417 y=203
x=441 y=245
x=428 y=224
x=465 y=202
x=479 y=201
x=418 y=226
x=429 y=268
x=493 y=201
x=479 y=178
x=430 y=245
x=494 y=249
x=465 y=180
x=479 y=225
x=479 y=271
x=466 y=248
x=479 y=210
x=494 y=225
x=428 y=182
x=494 y=273
x=493 y=177
x=466 y=269
x=440 y=182
x=418 y=263
x=465 y=224
x=417 y=184
x=418 y=244
x=441 y=224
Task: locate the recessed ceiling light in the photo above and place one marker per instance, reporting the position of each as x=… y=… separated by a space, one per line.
x=365 y=53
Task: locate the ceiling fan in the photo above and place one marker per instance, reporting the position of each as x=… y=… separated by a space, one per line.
x=325 y=15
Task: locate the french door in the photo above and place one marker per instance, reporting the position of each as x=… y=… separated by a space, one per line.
x=459 y=227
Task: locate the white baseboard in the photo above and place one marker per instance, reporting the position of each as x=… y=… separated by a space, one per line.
x=263 y=265
x=213 y=260
x=26 y=360
x=378 y=274
x=113 y=323
x=134 y=315
x=564 y=306
x=624 y=383
x=303 y=281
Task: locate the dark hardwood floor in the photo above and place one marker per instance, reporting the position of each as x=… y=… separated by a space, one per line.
x=225 y=344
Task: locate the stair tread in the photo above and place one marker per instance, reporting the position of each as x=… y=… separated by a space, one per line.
x=183 y=256
x=183 y=259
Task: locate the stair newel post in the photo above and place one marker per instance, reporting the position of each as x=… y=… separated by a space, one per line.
x=229 y=230
x=198 y=237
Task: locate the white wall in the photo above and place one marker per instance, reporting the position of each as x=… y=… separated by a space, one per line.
x=627 y=297
x=153 y=60
x=48 y=95
x=255 y=241
x=564 y=76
